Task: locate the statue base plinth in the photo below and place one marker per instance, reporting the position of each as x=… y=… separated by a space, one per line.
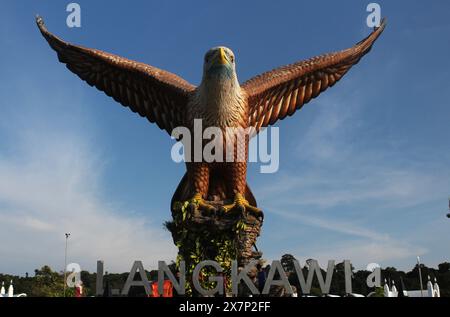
x=217 y=236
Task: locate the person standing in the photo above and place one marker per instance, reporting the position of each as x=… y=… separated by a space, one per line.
x=261 y=277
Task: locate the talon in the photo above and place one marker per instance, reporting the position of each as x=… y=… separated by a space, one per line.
x=197 y=203
x=242 y=205
x=226 y=208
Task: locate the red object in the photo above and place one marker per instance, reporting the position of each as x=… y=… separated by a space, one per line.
x=79 y=291
x=167 y=289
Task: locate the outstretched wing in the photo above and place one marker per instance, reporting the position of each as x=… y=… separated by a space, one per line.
x=153 y=93
x=279 y=93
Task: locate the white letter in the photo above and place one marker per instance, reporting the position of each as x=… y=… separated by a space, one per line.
x=237 y=277
x=198 y=140
x=253 y=150
x=314 y=268
x=218 y=280
x=274 y=156
x=137 y=266
x=374 y=18
x=374 y=278
x=283 y=281
x=74 y=278
x=184 y=145
x=74 y=18
x=179 y=286
x=213 y=151
x=348 y=276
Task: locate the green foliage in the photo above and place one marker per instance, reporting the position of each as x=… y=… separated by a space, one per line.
x=48 y=283
x=379 y=292
x=195 y=246
x=444 y=267
x=45 y=283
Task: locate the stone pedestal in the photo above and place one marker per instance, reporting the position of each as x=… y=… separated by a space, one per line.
x=221 y=237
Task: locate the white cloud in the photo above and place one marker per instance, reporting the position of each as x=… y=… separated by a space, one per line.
x=345 y=227
x=361 y=253
x=51 y=184
x=361 y=244
x=385 y=187
x=364 y=189
x=326 y=138
x=336 y=166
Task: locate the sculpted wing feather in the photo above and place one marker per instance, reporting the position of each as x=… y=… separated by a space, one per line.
x=279 y=93
x=153 y=93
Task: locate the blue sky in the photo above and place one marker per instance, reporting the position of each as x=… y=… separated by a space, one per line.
x=364 y=169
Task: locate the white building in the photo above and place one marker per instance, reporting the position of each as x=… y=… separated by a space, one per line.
x=391 y=292
x=431 y=291
x=10 y=291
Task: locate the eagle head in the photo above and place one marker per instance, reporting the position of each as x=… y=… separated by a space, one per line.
x=219 y=64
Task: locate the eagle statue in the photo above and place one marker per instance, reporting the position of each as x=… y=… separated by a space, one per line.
x=219 y=101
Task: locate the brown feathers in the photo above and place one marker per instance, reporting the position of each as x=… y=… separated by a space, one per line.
x=153 y=93
x=279 y=93
x=164 y=98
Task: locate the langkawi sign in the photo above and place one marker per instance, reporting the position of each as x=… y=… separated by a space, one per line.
x=237 y=277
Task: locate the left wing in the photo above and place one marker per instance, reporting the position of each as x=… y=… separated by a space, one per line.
x=279 y=93
x=153 y=93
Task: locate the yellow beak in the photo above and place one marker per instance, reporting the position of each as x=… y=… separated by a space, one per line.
x=222 y=57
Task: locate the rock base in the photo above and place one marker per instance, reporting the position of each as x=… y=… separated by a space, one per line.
x=222 y=237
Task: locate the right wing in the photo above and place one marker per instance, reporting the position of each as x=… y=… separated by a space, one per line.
x=279 y=93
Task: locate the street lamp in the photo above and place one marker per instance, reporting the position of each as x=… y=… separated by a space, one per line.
x=420 y=276
x=65 y=263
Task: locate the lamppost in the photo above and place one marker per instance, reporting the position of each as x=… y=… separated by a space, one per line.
x=65 y=263
x=420 y=276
